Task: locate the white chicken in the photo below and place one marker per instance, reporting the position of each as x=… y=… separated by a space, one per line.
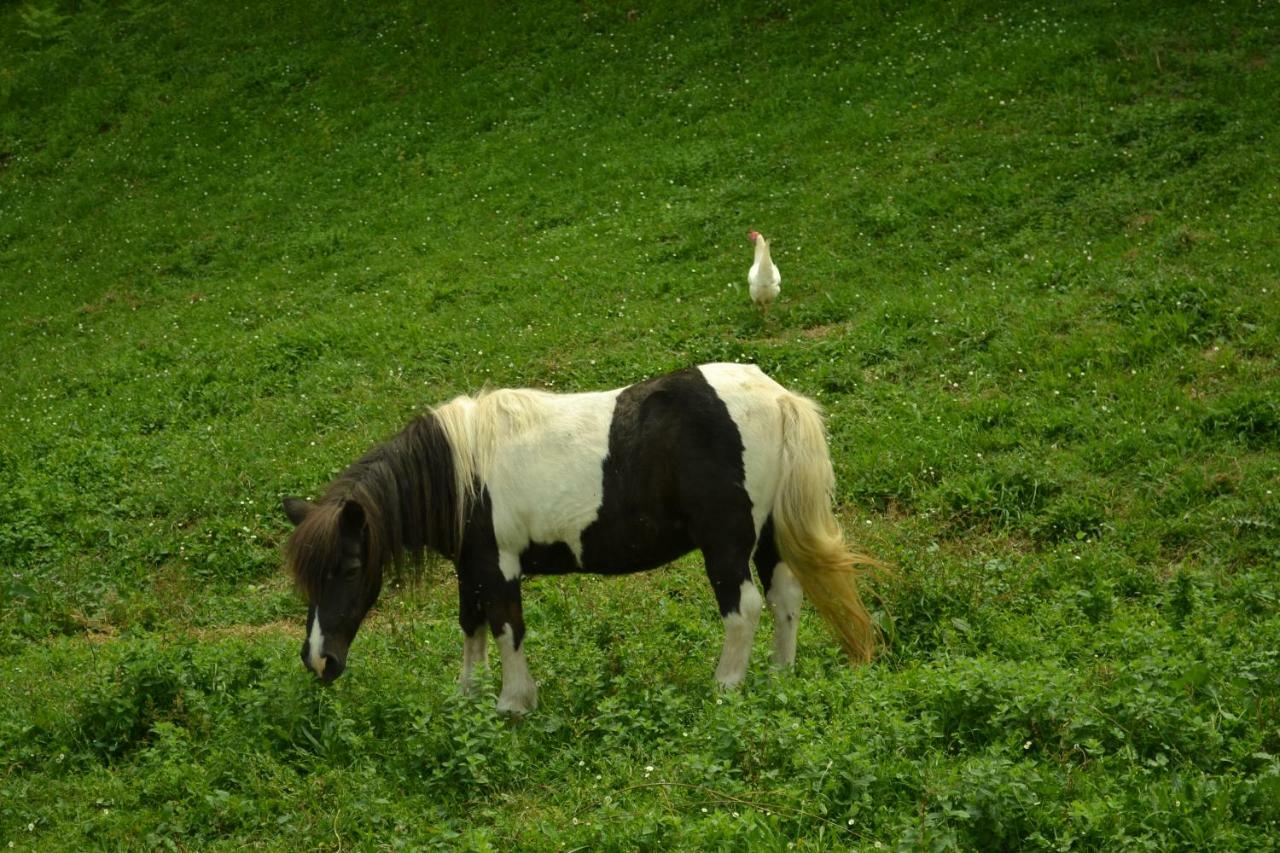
x=763 y=277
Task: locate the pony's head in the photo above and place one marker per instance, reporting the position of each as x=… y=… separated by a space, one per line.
x=399 y=498
x=329 y=555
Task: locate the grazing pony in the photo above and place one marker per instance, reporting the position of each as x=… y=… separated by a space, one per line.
x=518 y=482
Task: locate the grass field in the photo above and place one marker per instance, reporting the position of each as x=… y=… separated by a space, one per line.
x=1030 y=266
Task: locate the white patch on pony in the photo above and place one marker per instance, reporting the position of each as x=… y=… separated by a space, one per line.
x=750 y=396
x=541 y=456
x=315 y=645
x=739 y=631
x=509 y=564
x=519 y=692
x=474 y=656
x=785 y=597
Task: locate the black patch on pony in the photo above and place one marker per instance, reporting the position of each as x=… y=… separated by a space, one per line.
x=673 y=481
x=555 y=558
x=484 y=595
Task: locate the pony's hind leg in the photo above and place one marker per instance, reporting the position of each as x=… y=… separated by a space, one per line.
x=739 y=632
x=739 y=602
x=783 y=592
x=722 y=528
x=785 y=598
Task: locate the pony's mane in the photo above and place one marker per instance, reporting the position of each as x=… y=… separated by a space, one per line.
x=410 y=497
x=476 y=426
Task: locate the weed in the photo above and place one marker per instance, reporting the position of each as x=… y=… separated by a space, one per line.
x=1028 y=270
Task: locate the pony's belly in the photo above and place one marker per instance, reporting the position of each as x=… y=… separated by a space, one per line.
x=635 y=544
x=555 y=558
x=626 y=558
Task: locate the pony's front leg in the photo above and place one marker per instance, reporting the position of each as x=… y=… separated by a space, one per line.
x=471 y=619
x=506 y=619
x=519 y=692
x=474 y=647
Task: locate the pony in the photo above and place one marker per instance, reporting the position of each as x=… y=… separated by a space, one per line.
x=515 y=482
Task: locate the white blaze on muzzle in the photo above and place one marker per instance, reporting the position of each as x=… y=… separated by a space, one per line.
x=315 y=644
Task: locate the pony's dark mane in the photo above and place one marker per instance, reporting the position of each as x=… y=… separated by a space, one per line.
x=408 y=495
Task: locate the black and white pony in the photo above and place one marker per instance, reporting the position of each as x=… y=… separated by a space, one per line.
x=518 y=482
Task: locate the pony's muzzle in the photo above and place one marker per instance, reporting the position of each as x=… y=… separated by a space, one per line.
x=331 y=668
x=326 y=666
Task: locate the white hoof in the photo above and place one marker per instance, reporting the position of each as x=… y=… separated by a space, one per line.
x=784 y=660
x=518 y=701
x=731 y=682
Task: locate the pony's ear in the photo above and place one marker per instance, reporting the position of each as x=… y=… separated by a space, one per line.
x=351 y=522
x=297 y=509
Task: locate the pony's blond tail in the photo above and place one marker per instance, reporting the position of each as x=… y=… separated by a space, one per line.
x=809 y=537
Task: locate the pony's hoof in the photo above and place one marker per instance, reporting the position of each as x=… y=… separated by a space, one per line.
x=518 y=703
x=730 y=683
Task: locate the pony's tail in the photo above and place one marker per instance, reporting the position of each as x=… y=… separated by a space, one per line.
x=809 y=538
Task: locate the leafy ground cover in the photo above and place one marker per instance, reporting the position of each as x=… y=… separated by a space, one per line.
x=1029 y=266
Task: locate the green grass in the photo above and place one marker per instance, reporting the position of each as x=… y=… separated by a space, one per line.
x=1029 y=264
